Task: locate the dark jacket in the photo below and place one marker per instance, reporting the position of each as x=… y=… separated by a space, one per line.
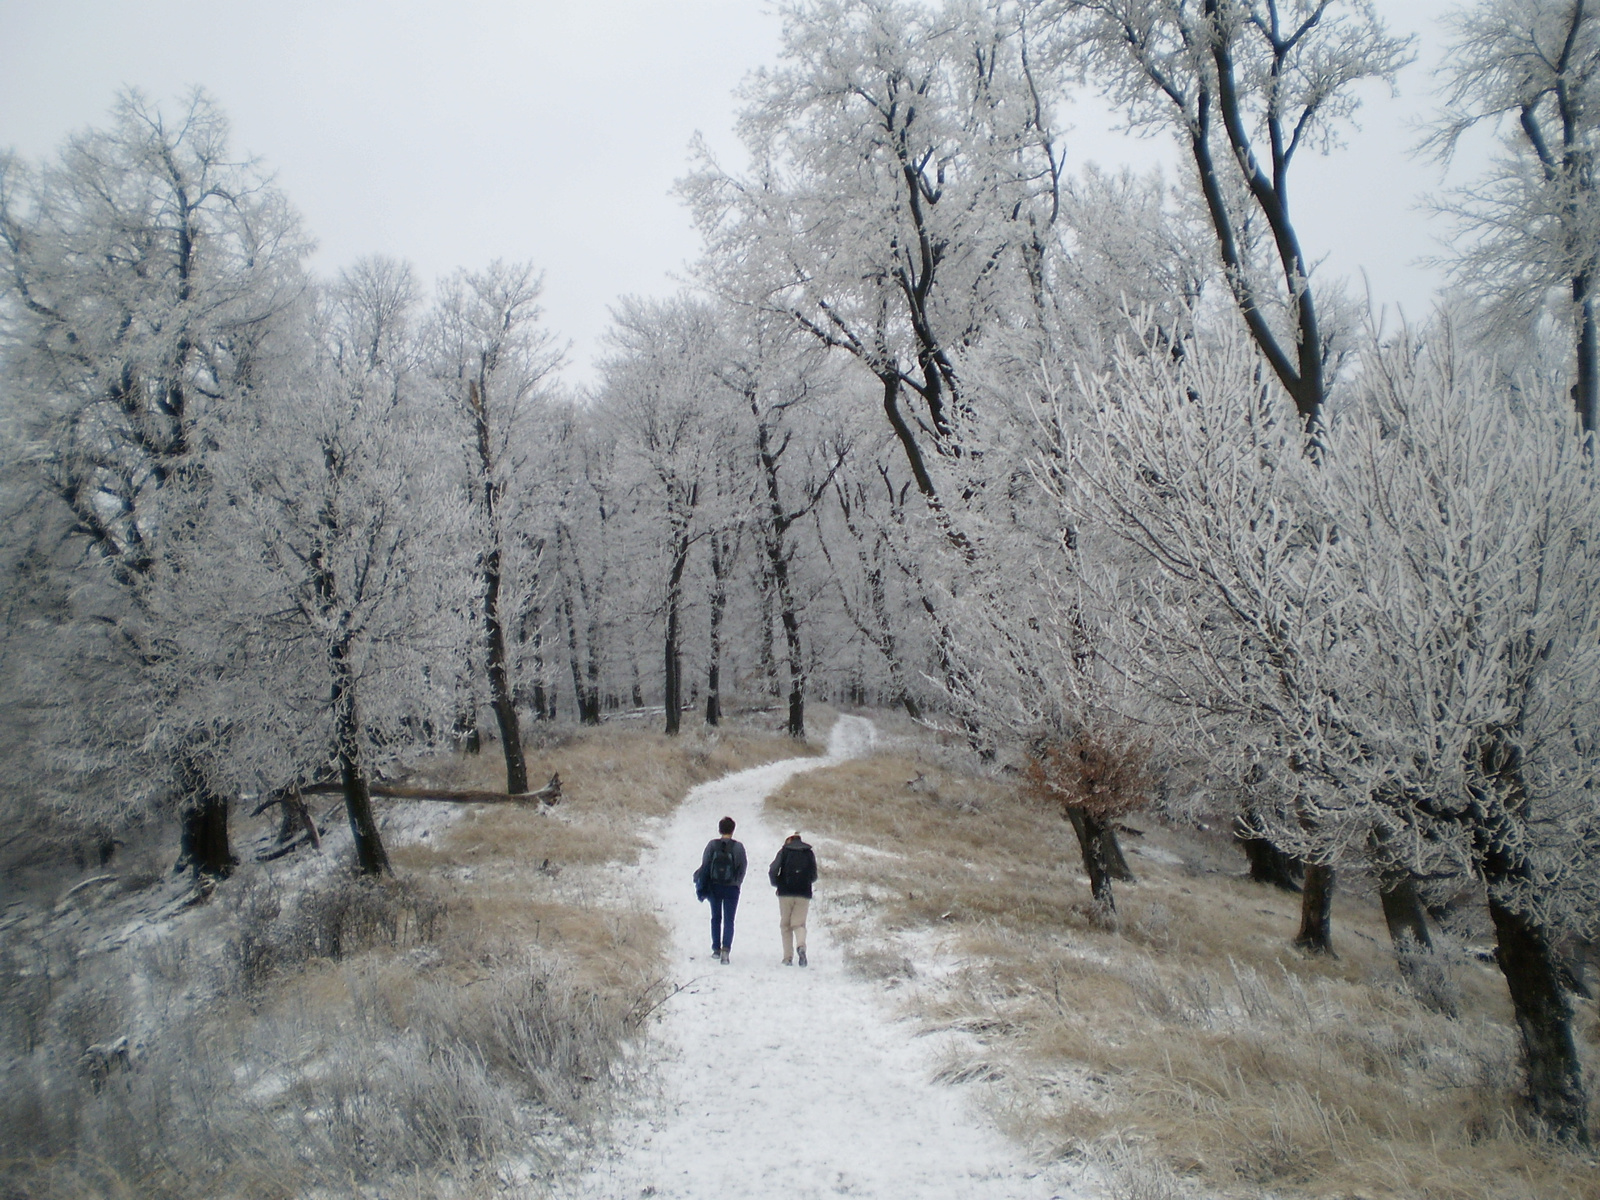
x=794 y=870
x=740 y=862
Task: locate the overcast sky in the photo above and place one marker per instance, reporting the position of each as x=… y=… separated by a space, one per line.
x=552 y=132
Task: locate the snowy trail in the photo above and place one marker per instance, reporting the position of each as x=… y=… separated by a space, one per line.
x=783 y=1081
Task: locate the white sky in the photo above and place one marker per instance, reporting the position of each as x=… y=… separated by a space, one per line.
x=552 y=132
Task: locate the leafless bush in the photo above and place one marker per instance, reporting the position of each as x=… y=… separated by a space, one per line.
x=335 y=917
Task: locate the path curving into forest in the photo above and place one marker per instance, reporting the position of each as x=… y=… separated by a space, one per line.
x=783 y=1081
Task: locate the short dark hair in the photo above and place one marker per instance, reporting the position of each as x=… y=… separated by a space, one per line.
x=725 y=825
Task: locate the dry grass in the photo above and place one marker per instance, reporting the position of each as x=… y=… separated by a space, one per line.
x=457 y=1031
x=1189 y=1042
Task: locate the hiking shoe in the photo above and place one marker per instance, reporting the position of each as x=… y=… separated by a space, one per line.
x=788 y=962
x=802 y=955
x=724 y=956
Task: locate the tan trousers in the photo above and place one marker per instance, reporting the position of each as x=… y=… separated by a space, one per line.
x=792 y=923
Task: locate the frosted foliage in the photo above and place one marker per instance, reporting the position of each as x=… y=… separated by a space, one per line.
x=904 y=178
x=1529 y=69
x=147 y=275
x=1395 y=631
x=142 y=270
x=333 y=571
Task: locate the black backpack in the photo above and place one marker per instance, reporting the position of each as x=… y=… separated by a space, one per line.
x=792 y=869
x=724 y=870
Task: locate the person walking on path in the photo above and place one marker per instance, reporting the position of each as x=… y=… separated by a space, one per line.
x=792 y=873
x=722 y=868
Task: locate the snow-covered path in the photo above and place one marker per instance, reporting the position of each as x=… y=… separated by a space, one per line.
x=782 y=1081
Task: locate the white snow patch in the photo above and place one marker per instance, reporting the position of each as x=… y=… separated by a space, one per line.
x=783 y=1081
x=410 y=821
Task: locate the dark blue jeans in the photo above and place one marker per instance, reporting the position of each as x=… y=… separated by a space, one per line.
x=724 y=901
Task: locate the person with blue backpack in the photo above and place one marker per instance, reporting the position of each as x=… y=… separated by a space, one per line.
x=721 y=873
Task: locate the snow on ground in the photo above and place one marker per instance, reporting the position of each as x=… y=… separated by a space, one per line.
x=789 y=1081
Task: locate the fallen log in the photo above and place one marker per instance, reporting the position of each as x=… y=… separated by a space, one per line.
x=548 y=795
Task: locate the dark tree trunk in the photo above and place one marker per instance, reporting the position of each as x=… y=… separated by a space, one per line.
x=765 y=654
x=1098 y=843
x=719 y=603
x=1532 y=969
x=673 y=672
x=501 y=698
x=1586 y=390
x=371 y=858
x=203 y=837
x=1268 y=864
x=797 y=669
x=1525 y=949
x=587 y=700
x=502 y=693
x=1403 y=912
x=673 y=684
x=1316 y=910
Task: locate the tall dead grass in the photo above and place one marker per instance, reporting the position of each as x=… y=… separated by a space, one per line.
x=1188 y=1044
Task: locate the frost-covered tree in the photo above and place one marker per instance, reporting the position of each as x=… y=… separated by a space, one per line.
x=669 y=411
x=494 y=364
x=777 y=380
x=586 y=530
x=1245 y=85
x=144 y=272
x=1401 y=640
x=336 y=565
x=904 y=176
x=1530 y=69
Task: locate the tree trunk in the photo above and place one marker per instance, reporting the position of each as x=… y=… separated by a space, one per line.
x=674 y=663
x=371 y=858
x=766 y=655
x=1111 y=851
x=468 y=739
x=1526 y=950
x=797 y=671
x=791 y=638
x=719 y=602
x=1403 y=912
x=714 y=694
x=501 y=698
x=203 y=838
x=588 y=702
x=1316 y=910
x=1586 y=390
x=1268 y=864
x=1097 y=842
x=1528 y=960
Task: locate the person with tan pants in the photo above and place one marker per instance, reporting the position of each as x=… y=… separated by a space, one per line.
x=792 y=873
